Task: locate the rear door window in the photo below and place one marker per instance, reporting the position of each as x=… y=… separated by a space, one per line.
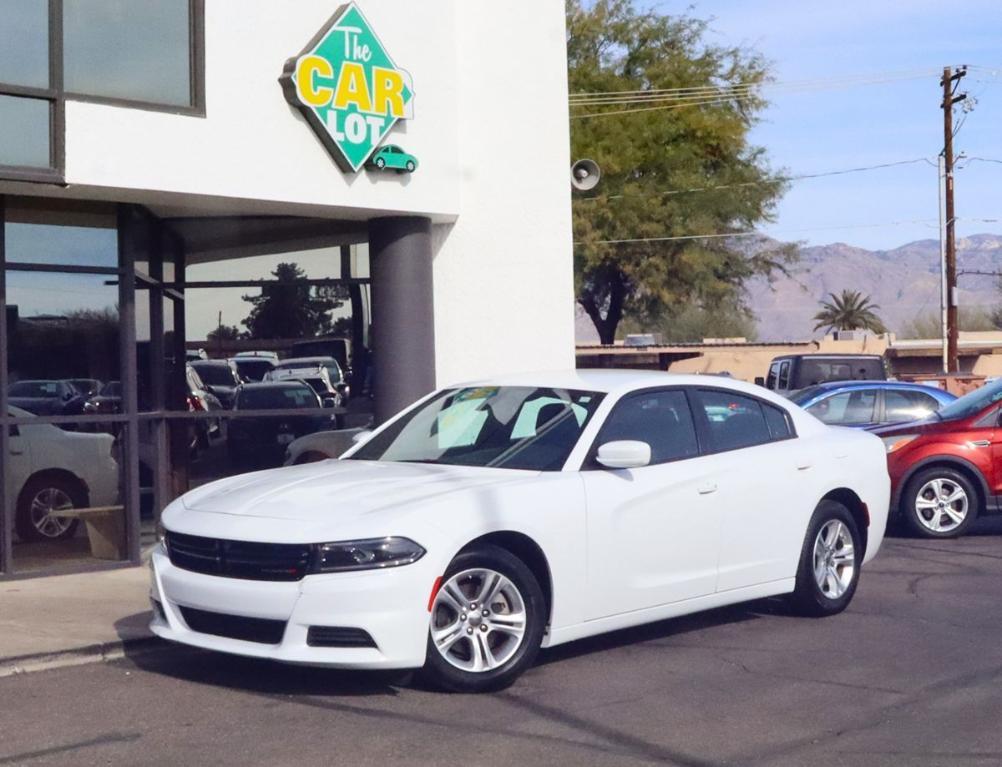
x=901 y=405
x=735 y=421
x=848 y=408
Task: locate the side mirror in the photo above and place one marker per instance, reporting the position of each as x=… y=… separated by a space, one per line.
x=759 y=381
x=624 y=454
x=361 y=436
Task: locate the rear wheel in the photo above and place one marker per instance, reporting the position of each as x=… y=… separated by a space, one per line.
x=486 y=624
x=939 y=502
x=38 y=508
x=829 y=562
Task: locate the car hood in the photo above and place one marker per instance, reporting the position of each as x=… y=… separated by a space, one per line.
x=339 y=490
x=924 y=426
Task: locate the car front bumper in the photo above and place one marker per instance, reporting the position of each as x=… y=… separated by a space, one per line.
x=391 y=605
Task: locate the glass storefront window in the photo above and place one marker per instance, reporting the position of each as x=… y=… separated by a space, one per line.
x=40 y=243
x=50 y=470
x=24 y=55
x=25 y=135
x=128 y=50
x=64 y=338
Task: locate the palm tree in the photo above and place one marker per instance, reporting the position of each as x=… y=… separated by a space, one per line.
x=849 y=311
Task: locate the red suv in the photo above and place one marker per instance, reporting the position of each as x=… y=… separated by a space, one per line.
x=947 y=469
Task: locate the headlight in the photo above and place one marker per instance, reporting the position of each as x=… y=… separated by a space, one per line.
x=370 y=554
x=894 y=444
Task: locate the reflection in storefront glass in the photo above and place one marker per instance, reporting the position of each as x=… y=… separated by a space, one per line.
x=64 y=338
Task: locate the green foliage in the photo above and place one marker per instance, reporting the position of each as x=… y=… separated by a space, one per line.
x=291 y=309
x=694 y=323
x=224 y=333
x=971 y=318
x=613 y=47
x=850 y=310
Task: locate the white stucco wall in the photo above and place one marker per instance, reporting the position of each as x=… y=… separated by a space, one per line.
x=504 y=271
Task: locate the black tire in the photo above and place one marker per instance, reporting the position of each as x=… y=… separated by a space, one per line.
x=950 y=477
x=440 y=673
x=26 y=529
x=809 y=598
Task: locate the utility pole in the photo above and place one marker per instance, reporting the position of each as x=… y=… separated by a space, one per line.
x=952 y=330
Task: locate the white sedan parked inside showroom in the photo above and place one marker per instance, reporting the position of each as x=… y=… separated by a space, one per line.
x=493 y=518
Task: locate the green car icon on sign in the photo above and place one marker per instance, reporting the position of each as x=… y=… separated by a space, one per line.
x=392 y=156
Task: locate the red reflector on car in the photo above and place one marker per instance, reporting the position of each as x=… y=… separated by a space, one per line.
x=434 y=592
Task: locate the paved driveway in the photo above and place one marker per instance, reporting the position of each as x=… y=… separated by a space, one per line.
x=910 y=675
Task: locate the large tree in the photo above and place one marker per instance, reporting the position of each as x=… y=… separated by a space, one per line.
x=850 y=310
x=652 y=153
x=290 y=307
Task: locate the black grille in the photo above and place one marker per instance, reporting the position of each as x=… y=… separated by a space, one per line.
x=234 y=626
x=239 y=559
x=338 y=636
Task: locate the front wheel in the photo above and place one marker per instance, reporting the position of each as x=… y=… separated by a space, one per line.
x=487 y=622
x=829 y=562
x=38 y=508
x=939 y=502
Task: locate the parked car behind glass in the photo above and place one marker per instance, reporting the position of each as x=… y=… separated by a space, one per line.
x=46 y=397
x=50 y=469
x=263 y=440
x=793 y=372
x=220 y=377
x=871 y=403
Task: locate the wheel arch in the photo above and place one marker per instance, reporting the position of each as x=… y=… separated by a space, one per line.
x=527 y=550
x=965 y=467
x=62 y=474
x=856 y=507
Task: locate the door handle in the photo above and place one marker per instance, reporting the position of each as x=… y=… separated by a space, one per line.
x=981 y=443
x=804 y=466
x=709 y=487
x=17 y=452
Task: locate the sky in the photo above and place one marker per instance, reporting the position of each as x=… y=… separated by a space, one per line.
x=834 y=129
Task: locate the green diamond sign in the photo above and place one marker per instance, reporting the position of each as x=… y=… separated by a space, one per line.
x=349 y=89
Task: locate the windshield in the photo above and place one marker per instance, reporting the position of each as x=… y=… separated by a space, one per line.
x=112 y=389
x=277 y=398
x=254 y=369
x=42 y=389
x=216 y=375
x=511 y=427
x=973 y=402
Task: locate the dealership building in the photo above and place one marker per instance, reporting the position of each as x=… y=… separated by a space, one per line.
x=159 y=161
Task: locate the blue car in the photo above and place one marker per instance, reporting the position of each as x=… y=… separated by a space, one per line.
x=864 y=404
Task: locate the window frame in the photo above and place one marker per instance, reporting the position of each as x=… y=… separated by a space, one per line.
x=702 y=422
x=57 y=96
x=590 y=462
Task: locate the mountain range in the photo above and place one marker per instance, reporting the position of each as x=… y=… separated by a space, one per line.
x=904 y=282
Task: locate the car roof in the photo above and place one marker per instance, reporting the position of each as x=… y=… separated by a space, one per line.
x=202 y=363
x=285 y=383
x=827 y=356
x=856 y=384
x=618 y=381
x=293 y=361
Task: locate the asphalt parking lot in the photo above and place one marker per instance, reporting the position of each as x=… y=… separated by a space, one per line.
x=908 y=675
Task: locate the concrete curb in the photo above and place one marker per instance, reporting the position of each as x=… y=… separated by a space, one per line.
x=80 y=656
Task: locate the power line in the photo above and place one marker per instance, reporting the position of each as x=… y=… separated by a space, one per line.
x=704 y=90
x=753 y=233
x=777 y=179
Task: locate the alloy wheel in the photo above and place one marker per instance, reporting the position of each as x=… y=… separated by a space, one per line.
x=45 y=508
x=478 y=620
x=941 y=505
x=834 y=559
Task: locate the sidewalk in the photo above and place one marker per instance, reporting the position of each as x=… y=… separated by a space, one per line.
x=68 y=620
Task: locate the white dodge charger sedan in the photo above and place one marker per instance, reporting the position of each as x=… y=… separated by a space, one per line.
x=493 y=518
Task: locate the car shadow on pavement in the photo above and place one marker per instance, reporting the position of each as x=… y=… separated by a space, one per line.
x=256 y=675
x=665 y=629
